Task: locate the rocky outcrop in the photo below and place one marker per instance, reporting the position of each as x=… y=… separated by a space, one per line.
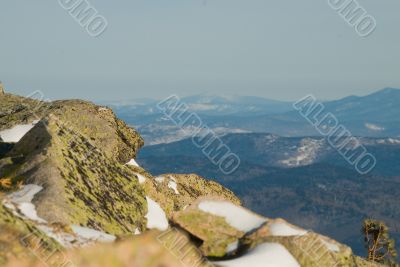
x=17 y=236
x=229 y=232
x=150 y=249
x=77 y=162
x=70 y=181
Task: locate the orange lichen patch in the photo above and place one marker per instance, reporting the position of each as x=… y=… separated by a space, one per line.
x=5 y=183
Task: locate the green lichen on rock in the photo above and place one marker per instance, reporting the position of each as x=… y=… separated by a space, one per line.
x=16 y=110
x=82 y=185
x=166 y=249
x=77 y=154
x=215 y=233
x=17 y=236
x=191 y=187
x=310 y=249
x=106 y=131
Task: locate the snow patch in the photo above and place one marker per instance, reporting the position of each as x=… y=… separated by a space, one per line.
x=306 y=153
x=65 y=239
x=283 y=229
x=238 y=217
x=29 y=211
x=92 y=235
x=81 y=237
x=160 y=179
x=394 y=141
x=156 y=218
x=264 y=255
x=374 y=127
x=141 y=178
x=133 y=162
x=232 y=247
x=173 y=185
x=15 y=134
x=26 y=194
x=20 y=203
x=22 y=200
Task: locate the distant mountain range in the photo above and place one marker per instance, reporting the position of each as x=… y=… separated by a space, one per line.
x=374 y=115
x=210 y=105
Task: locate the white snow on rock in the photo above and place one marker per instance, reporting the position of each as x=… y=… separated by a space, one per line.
x=65 y=239
x=331 y=246
x=160 y=179
x=232 y=247
x=264 y=255
x=173 y=185
x=238 y=217
x=141 y=178
x=283 y=229
x=156 y=218
x=92 y=235
x=26 y=194
x=81 y=237
x=16 y=133
x=133 y=162
x=20 y=203
x=29 y=211
x=22 y=200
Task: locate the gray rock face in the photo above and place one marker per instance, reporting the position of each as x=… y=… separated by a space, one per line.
x=1 y=88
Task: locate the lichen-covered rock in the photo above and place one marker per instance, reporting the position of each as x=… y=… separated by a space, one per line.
x=77 y=153
x=82 y=185
x=167 y=249
x=221 y=238
x=99 y=124
x=215 y=232
x=184 y=189
x=16 y=110
x=17 y=237
x=66 y=183
x=174 y=192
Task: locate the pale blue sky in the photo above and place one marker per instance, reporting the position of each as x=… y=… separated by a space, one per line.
x=153 y=48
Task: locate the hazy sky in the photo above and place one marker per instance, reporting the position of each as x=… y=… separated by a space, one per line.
x=152 y=48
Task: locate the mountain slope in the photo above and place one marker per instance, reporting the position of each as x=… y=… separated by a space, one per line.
x=68 y=179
